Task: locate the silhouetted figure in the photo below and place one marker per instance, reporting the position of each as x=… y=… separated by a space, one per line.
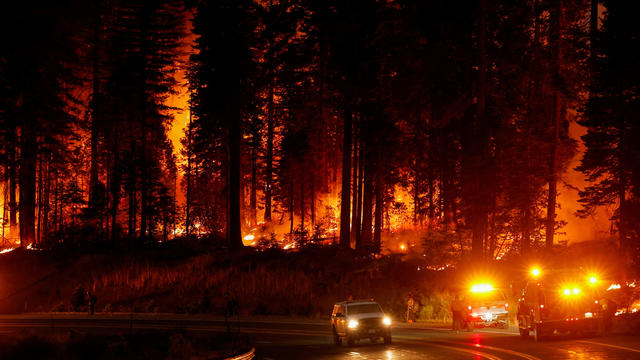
x=232 y=306
x=92 y=299
x=457 y=310
x=609 y=308
x=411 y=308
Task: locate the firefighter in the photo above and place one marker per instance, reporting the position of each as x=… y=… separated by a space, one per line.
x=411 y=308
x=609 y=308
x=457 y=312
x=92 y=299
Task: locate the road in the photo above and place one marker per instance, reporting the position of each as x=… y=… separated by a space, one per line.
x=310 y=339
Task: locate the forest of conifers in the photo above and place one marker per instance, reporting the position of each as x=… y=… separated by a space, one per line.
x=317 y=119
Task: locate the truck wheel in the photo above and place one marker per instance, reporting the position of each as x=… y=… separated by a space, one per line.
x=387 y=339
x=524 y=333
x=337 y=340
x=538 y=333
x=350 y=341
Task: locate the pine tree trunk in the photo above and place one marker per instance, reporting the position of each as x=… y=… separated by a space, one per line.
x=322 y=96
x=107 y=208
x=416 y=199
x=47 y=195
x=345 y=208
x=557 y=120
x=622 y=213
x=313 y=201
x=234 y=231
x=187 y=220
x=430 y=188
x=39 y=202
x=291 y=206
x=253 y=220
x=377 y=234
x=354 y=207
x=367 y=205
x=479 y=213
x=28 y=182
x=302 y=204
x=269 y=170
x=56 y=197
x=13 y=181
x=95 y=111
x=131 y=185
x=357 y=223
x=115 y=186
x=5 y=199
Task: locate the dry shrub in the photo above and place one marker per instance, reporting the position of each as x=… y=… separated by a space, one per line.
x=267 y=284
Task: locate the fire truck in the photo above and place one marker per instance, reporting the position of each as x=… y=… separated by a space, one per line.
x=559 y=301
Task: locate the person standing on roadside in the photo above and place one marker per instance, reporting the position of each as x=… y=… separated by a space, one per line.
x=457 y=310
x=411 y=308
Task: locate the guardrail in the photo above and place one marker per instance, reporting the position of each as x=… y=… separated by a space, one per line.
x=246 y=356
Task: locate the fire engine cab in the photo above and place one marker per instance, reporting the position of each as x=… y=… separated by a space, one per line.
x=559 y=301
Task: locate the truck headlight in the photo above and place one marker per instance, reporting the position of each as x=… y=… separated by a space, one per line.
x=353 y=324
x=386 y=321
x=576 y=291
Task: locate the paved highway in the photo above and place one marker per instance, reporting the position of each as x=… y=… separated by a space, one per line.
x=310 y=339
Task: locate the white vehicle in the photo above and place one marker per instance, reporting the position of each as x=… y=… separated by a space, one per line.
x=487 y=307
x=359 y=319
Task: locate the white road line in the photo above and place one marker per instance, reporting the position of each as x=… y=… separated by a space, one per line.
x=506 y=351
x=610 y=345
x=464 y=332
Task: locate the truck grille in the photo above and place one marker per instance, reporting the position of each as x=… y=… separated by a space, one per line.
x=371 y=322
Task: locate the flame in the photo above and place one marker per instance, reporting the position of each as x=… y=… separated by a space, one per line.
x=613 y=287
x=4 y=251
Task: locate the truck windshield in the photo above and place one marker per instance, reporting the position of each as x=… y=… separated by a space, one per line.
x=363 y=309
